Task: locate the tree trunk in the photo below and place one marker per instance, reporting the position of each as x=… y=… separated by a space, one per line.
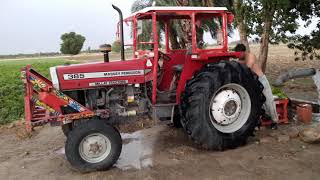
x=264 y=46
x=185 y=26
x=243 y=35
x=182 y=2
x=268 y=13
x=173 y=37
x=240 y=20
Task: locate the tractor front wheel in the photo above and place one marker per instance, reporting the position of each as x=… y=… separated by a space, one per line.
x=221 y=105
x=66 y=129
x=93 y=145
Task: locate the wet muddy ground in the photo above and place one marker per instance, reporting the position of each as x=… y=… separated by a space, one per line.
x=162 y=152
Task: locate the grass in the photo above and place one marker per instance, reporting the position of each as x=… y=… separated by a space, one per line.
x=11 y=87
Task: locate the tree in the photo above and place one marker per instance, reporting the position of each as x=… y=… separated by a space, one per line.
x=116 y=46
x=241 y=15
x=272 y=21
x=72 y=43
x=276 y=19
x=140 y=4
x=306 y=46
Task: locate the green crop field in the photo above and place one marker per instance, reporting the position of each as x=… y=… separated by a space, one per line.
x=11 y=87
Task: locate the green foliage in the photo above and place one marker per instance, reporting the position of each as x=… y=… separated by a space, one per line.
x=72 y=43
x=140 y=4
x=275 y=21
x=281 y=14
x=278 y=92
x=116 y=46
x=11 y=86
x=306 y=46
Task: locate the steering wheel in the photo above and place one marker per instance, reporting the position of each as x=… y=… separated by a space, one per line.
x=164 y=56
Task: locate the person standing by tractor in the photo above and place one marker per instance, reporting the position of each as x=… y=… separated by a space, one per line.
x=249 y=59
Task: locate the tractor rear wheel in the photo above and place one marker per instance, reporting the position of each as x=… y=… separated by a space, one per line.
x=93 y=145
x=221 y=105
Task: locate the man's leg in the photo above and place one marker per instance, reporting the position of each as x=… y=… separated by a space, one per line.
x=270 y=105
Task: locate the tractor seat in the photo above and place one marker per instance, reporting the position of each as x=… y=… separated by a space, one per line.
x=177 y=68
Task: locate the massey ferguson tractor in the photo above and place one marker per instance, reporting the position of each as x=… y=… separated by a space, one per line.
x=197 y=85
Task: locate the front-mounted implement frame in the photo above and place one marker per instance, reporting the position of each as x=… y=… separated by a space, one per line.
x=45 y=104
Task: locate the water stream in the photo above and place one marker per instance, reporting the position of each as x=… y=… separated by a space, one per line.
x=316 y=79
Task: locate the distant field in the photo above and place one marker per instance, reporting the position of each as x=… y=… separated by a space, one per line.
x=11 y=87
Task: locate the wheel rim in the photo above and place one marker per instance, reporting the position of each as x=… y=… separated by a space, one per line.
x=94 y=148
x=230 y=108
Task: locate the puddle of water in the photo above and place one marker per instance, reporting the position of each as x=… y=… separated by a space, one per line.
x=61 y=151
x=136 y=154
x=136 y=151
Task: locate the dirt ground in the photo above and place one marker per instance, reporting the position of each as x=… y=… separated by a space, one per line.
x=171 y=155
x=162 y=152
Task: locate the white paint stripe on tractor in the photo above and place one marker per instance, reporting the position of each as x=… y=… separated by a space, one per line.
x=76 y=76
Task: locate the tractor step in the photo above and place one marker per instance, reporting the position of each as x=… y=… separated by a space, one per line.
x=163 y=112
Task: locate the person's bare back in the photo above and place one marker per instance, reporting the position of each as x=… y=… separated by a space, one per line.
x=250 y=61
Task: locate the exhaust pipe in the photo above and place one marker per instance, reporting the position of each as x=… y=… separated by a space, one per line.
x=105 y=49
x=121 y=31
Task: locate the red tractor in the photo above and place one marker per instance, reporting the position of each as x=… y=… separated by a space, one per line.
x=197 y=85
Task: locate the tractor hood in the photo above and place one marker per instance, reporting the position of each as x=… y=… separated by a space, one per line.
x=94 y=75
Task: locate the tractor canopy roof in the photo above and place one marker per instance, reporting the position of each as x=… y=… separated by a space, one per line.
x=175 y=11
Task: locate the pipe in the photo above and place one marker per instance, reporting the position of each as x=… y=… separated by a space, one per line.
x=292 y=74
x=106 y=57
x=105 y=49
x=121 y=31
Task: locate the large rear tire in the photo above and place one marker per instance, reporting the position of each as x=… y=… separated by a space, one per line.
x=221 y=105
x=93 y=145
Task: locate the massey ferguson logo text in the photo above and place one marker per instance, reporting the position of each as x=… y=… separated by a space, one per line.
x=102 y=74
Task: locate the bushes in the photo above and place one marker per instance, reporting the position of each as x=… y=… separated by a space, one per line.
x=11 y=87
x=116 y=46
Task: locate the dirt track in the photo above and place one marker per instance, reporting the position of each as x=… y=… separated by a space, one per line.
x=173 y=156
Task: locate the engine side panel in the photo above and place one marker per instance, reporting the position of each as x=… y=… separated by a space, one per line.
x=94 y=75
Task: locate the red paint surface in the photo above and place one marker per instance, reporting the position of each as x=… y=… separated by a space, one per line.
x=191 y=65
x=100 y=67
x=35 y=116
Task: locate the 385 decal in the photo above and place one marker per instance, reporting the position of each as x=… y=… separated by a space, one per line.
x=75 y=76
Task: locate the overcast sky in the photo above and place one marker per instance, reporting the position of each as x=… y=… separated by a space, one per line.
x=31 y=26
